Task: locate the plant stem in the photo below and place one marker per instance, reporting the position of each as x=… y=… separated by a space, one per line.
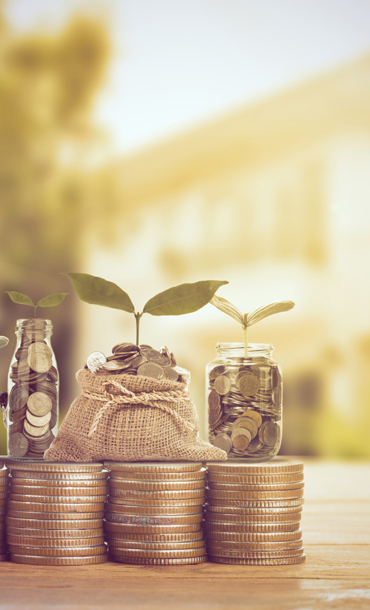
x=137 y=318
x=245 y=341
x=34 y=311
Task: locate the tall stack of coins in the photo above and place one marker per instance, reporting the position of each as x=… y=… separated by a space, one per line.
x=130 y=359
x=154 y=513
x=55 y=513
x=253 y=512
x=244 y=402
x=3 y=496
x=33 y=403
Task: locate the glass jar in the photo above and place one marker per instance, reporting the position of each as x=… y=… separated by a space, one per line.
x=244 y=401
x=33 y=391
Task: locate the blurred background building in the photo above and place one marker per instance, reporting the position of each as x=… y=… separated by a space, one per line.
x=272 y=195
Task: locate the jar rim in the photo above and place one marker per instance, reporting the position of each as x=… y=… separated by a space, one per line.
x=252 y=346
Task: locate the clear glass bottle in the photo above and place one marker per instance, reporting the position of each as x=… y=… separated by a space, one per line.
x=33 y=391
x=244 y=401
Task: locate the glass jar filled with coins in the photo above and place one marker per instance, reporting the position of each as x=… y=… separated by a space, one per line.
x=244 y=401
x=33 y=391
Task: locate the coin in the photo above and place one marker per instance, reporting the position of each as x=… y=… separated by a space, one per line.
x=255 y=488
x=95 y=361
x=277 y=465
x=44 y=466
x=222 y=441
x=55 y=507
x=33 y=490
x=156 y=486
x=60 y=478
x=241 y=438
x=39 y=362
x=158 y=495
x=255 y=546
x=258 y=504
x=29 y=541
x=160 y=554
x=151 y=369
x=153 y=510
x=246 y=422
x=222 y=384
x=159 y=477
x=152 y=529
x=43 y=525
x=66 y=531
x=162 y=467
x=258 y=562
x=58 y=561
x=231 y=524
x=117 y=545
x=248 y=384
x=282 y=513
x=84 y=551
x=128 y=537
x=24 y=514
x=83 y=484
x=151 y=520
x=159 y=561
x=269 y=434
x=281 y=494
x=244 y=539
x=213 y=400
x=18 y=444
x=157 y=503
x=273 y=480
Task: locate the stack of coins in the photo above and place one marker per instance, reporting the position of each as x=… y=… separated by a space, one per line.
x=254 y=511
x=3 y=496
x=154 y=513
x=132 y=359
x=33 y=411
x=245 y=409
x=55 y=513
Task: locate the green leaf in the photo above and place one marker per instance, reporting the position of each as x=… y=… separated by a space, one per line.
x=97 y=291
x=268 y=310
x=227 y=307
x=52 y=300
x=182 y=299
x=20 y=298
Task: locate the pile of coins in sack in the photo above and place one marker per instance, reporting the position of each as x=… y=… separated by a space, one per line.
x=55 y=513
x=33 y=409
x=245 y=409
x=4 y=482
x=154 y=513
x=130 y=359
x=253 y=512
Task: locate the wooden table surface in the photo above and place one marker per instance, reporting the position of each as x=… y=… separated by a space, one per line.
x=336 y=574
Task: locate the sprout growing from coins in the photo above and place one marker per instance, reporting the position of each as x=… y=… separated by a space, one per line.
x=50 y=301
x=175 y=301
x=246 y=320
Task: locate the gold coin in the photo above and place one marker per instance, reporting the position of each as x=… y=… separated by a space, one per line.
x=238 y=526
x=151 y=520
x=222 y=385
x=58 y=561
x=153 y=510
x=161 y=477
x=153 y=529
x=72 y=507
x=159 y=561
x=67 y=530
x=99 y=549
x=258 y=562
x=78 y=492
x=150 y=538
x=153 y=466
x=117 y=545
x=154 y=503
x=248 y=384
x=244 y=487
x=216 y=538
x=157 y=486
x=21 y=514
x=260 y=555
x=286 y=513
x=77 y=484
x=278 y=465
x=43 y=466
x=157 y=495
x=259 y=546
x=160 y=554
x=257 y=504
x=247 y=423
x=60 y=478
x=241 y=438
x=29 y=541
x=281 y=494
x=254 y=415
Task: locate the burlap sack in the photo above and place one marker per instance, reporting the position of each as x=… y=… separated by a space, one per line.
x=130 y=418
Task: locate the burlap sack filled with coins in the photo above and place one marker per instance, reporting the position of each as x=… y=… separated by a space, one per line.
x=131 y=418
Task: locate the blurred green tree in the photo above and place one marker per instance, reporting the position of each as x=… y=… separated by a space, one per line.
x=48 y=84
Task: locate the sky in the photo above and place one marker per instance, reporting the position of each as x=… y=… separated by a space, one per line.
x=177 y=63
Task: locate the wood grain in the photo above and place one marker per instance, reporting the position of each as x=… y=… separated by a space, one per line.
x=336 y=574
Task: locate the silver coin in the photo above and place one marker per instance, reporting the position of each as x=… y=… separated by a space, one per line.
x=95 y=361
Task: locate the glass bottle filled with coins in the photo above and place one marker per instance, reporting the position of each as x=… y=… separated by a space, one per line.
x=33 y=391
x=244 y=401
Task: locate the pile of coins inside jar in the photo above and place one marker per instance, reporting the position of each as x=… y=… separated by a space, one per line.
x=4 y=480
x=55 y=513
x=130 y=359
x=245 y=409
x=154 y=513
x=33 y=405
x=253 y=512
